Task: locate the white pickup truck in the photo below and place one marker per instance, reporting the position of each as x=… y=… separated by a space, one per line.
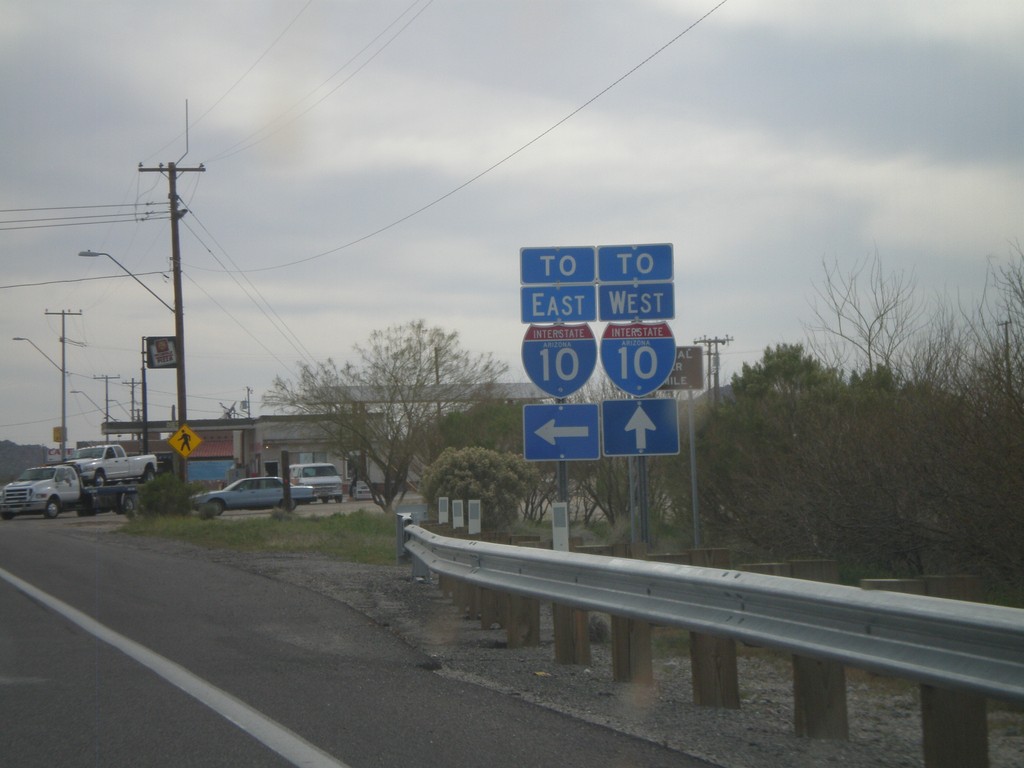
x=101 y=464
x=50 y=490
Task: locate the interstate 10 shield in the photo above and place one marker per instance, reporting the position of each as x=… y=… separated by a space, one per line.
x=559 y=358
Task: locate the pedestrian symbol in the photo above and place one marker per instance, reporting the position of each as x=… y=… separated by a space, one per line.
x=184 y=441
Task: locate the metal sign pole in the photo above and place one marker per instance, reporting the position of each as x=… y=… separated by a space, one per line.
x=693 y=474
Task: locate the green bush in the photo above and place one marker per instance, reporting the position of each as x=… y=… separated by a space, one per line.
x=499 y=480
x=166 y=495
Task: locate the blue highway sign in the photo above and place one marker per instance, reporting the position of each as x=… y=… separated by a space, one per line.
x=562 y=432
x=629 y=263
x=557 y=266
x=559 y=358
x=559 y=303
x=647 y=427
x=628 y=302
x=638 y=357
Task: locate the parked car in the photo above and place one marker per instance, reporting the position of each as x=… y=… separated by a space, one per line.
x=324 y=478
x=253 y=493
x=361 y=492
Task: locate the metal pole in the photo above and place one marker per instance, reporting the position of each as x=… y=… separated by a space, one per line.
x=693 y=475
x=145 y=411
x=63 y=389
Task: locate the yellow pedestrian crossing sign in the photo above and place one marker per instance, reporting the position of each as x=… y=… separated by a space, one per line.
x=184 y=441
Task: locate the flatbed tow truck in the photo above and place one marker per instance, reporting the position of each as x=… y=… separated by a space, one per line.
x=55 y=488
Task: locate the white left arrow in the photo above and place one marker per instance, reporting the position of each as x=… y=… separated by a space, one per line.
x=640 y=423
x=549 y=432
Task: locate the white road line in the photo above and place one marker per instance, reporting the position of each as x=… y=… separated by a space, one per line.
x=273 y=735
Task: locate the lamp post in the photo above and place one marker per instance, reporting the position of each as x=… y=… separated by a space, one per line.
x=63 y=392
x=179 y=324
x=94 y=254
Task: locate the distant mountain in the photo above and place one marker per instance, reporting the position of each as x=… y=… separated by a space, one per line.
x=14 y=458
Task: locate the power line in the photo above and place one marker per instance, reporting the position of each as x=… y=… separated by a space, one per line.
x=500 y=162
x=251 y=141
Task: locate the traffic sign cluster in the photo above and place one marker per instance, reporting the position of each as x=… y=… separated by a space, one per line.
x=562 y=290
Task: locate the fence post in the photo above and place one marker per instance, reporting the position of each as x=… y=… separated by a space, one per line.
x=713 y=658
x=819 y=685
x=572 y=635
x=522 y=621
x=632 y=659
x=954 y=724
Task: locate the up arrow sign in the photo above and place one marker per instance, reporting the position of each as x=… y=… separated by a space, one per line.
x=550 y=433
x=640 y=423
x=647 y=427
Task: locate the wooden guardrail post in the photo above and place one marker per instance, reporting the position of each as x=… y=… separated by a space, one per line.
x=955 y=728
x=954 y=724
x=819 y=685
x=713 y=658
x=572 y=634
x=490 y=613
x=571 y=627
x=632 y=658
x=522 y=620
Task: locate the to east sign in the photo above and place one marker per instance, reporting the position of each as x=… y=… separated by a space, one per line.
x=558 y=303
x=562 y=266
x=638 y=357
x=559 y=359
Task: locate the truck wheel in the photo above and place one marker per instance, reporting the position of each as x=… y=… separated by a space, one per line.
x=126 y=504
x=52 y=508
x=148 y=474
x=7 y=515
x=99 y=479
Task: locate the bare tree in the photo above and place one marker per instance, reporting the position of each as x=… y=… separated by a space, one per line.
x=387 y=406
x=863 y=318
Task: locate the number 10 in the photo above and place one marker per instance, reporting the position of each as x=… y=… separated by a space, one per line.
x=567 y=364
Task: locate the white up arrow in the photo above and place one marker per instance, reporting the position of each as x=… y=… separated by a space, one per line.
x=549 y=432
x=640 y=422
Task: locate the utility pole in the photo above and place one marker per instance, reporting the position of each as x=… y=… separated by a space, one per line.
x=713 y=361
x=63 y=379
x=172 y=170
x=106 y=394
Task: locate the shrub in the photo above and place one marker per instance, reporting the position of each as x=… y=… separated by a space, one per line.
x=499 y=480
x=166 y=495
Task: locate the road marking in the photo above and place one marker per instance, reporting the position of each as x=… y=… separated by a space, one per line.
x=273 y=735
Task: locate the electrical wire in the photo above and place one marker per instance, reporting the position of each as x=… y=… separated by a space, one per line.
x=251 y=141
x=500 y=162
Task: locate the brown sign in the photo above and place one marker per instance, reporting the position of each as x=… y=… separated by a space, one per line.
x=688 y=372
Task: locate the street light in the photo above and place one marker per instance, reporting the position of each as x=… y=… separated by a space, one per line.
x=63 y=392
x=94 y=254
x=177 y=309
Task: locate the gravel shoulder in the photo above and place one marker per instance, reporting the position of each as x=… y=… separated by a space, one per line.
x=884 y=714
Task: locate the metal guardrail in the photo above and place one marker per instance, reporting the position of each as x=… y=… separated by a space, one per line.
x=946 y=643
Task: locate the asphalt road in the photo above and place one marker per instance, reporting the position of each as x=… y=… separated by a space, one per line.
x=199 y=664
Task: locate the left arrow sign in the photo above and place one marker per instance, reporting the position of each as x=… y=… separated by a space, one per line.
x=561 y=432
x=550 y=432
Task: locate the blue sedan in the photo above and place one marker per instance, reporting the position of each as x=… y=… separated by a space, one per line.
x=253 y=493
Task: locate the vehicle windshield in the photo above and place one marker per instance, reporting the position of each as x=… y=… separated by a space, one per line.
x=325 y=471
x=89 y=453
x=37 y=473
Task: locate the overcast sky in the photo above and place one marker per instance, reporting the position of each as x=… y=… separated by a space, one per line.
x=371 y=162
